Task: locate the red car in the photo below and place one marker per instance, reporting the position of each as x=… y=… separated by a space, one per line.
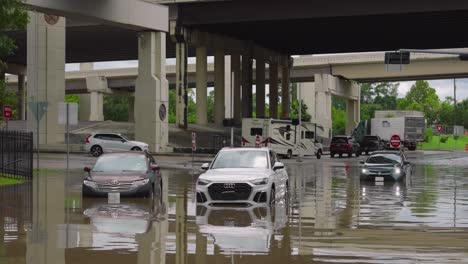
x=129 y=173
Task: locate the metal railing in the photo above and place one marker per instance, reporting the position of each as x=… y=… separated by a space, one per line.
x=16 y=154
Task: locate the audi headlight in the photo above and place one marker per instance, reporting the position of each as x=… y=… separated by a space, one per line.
x=260 y=181
x=141 y=182
x=203 y=182
x=397 y=170
x=89 y=183
x=365 y=170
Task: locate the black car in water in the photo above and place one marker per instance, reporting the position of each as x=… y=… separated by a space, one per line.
x=344 y=145
x=372 y=143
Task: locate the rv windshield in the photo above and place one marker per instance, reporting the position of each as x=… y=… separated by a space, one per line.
x=241 y=159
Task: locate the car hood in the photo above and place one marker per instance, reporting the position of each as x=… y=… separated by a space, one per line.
x=234 y=175
x=110 y=177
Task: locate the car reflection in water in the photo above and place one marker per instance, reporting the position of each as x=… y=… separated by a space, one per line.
x=246 y=230
x=115 y=226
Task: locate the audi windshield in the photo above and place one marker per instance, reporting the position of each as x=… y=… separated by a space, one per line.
x=241 y=159
x=384 y=159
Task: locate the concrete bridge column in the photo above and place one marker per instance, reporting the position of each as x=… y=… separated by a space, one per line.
x=247 y=65
x=85 y=107
x=273 y=83
x=308 y=98
x=21 y=97
x=131 y=109
x=352 y=115
x=151 y=92
x=219 y=100
x=96 y=106
x=236 y=74
x=260 y=87
x=323 y=103
x=181 y=84
x=201 y=79
x=46 y=74
x=285 y=89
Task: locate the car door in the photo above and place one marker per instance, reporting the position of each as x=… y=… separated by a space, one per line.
x=115 y=143
x=278 y=175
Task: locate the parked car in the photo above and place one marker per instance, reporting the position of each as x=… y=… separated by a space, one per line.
x=344 y=145
x=130 y=174
x=385 y=166
x=250 y=176
x=100 y=143
x=372 y=143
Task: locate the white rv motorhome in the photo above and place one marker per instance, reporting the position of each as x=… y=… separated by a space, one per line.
x=282 y=136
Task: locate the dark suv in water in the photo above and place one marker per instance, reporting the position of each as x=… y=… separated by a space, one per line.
x=372 y=143
x=344 y=145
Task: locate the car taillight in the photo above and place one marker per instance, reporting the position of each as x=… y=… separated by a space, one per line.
x=87 y=139
x=244 y=141
x=347 y=145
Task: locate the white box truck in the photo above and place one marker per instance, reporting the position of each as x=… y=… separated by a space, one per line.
x=282 y=136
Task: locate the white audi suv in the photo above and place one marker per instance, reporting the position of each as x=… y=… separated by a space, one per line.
x=249 y=176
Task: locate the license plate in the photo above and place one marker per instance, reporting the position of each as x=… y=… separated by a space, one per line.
x=379 y=179
x=379 y=183
x=113 y=198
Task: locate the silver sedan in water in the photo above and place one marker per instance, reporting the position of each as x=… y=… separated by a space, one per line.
x=385 y=166
x=251 y=176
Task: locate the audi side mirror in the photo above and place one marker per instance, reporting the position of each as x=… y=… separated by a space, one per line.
x=278 y=166
x=87 y=169
x=205 y=166
x=155 y=167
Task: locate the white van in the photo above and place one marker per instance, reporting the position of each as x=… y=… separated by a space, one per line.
x=282 y=136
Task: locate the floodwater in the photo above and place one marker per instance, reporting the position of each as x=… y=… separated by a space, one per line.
x=330 y=217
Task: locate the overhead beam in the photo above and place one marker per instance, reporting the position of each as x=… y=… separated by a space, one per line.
x=132 y=14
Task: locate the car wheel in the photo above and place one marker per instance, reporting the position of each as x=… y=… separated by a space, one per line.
x=136 y=149
x=289 y=155
x=96 y=151
x=358 y=153
x=340 y=155
x=350 y=154
x=332 y=154
x=150 y=193
x=319 y=154
x=367 y=152
x=272 y=196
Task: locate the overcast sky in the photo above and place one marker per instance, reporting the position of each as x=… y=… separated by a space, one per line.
x=443 y=88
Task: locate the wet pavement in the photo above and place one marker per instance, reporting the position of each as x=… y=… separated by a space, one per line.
x=329 y=217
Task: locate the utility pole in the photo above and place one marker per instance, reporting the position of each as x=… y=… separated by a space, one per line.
x=454 y=101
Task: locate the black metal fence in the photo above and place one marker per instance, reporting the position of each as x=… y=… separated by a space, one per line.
x=16 y=154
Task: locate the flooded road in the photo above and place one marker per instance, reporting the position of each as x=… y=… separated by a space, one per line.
x=329 y=217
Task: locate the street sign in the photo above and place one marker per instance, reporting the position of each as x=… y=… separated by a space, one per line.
x=7 y=112
x=72 y=113
x=395 y=141
x=38 y=109
x=194 y=141
x=439 y=128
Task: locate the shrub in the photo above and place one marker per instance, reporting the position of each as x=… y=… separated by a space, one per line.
x=443 y=139
x=456 y=137
x=428 y=135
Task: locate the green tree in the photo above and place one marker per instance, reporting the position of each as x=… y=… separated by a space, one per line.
x=294 y=114
x=116 y=108
x=378 y=96
x=423 y=98
x=339 y=121
x=13 y=16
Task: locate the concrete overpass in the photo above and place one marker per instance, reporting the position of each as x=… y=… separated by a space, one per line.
x=105 y=30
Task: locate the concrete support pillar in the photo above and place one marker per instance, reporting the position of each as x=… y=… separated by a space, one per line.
x=85 y=107
x=96 y=106
x=181 y=227
x=260 y=87
x=181 y=85
x=273 y=83
x=308 y=98
x=285 y=91
x=228 y=88
x=21 y=97
x=151 y=93
x=247 y=65
x=219 y=110
x=352 y=115
x=46 y=74
x=131 y=109
x=236 y=74
x=323 y=103
x=201 y=82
